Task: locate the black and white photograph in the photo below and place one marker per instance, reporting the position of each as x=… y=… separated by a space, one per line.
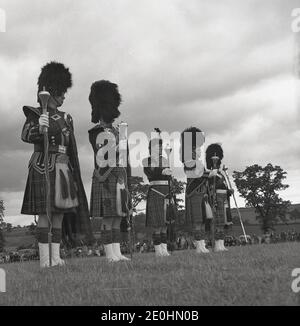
x=149 y=156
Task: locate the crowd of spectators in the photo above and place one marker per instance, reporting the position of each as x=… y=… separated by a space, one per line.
x=183 y=242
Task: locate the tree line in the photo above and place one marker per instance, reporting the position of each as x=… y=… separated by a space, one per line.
x=259 y=186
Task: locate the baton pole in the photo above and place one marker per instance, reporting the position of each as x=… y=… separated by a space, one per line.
x=44 y=97
x=235 y=202
x=123 y=161
x=215 y=159
x=168 y=150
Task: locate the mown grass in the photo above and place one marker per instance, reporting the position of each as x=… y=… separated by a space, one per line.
x=252 y=275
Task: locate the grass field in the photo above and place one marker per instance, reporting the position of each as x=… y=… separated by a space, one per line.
x=252 y=275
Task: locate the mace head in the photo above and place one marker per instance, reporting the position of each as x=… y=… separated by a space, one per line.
x=44 y=97
x=123 y=124
x=122 y=128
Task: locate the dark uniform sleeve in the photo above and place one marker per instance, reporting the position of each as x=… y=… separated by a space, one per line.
x=154 y=173
x=92 y=138
x=70 y=122
x=31 y=130
x=70 y=125
x=149 y=171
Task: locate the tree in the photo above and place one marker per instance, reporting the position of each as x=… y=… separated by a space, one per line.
x=259 y=186
x=294 y=214
x=32 y=228
x=2 y=240
x=178 y=189
x=2 y=209
x=8 y=227
x=138 y=191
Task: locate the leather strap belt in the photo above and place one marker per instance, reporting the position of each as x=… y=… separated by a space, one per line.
x=159 y=183
x=221 y=191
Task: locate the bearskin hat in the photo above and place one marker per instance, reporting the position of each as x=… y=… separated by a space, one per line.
x=194 y=131
x=105 y=100
x=56 y=78
x=213 y=149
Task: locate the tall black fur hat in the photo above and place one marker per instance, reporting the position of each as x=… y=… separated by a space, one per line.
x=194 y=131
x=105 y=100
x=56 y=78
x=213 y=149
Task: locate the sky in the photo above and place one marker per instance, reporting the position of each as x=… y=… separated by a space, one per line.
x=229 y=68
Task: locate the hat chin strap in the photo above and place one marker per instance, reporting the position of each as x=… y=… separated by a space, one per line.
x=55 y=100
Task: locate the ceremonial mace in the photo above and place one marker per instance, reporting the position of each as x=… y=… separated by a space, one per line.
x=44 y=98
x=237 y=208
x=168 y=150
x=215 y=160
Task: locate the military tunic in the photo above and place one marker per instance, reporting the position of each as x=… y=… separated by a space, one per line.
x=63 y=189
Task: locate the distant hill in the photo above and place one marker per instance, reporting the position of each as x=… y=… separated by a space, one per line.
x=18 y=237
x=21 y=236
x=249 y=216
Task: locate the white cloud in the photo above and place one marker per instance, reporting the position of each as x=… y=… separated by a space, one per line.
x=224 y=66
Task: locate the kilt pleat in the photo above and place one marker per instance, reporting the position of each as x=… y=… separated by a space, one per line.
x=221 y=209
x=194 y=202
x=194 y=209
x=156 y=206
x=34 y=200
x=104 y=201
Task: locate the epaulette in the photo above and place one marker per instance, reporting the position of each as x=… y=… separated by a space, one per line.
x=68 y=119
x=30 y=109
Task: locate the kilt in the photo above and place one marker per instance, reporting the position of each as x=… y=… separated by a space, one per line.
x=34 y=201
x=105 y=194
x=194 y=205
x=156 y=206
x=195 y=209
x=222 y=205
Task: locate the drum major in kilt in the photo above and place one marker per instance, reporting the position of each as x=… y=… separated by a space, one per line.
x=68 y=204
x=223 y=218
x=197 y=205
x=160 y=207
x=110 y=192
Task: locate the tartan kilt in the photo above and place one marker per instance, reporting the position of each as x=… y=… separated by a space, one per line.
x=156 y=206
x=222 y=204
x=194 y=209
x=34 y=200
x=104 y=201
